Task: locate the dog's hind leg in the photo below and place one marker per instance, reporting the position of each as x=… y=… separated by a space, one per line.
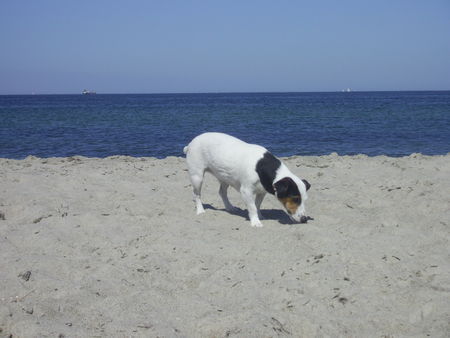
x=197 y=181
x=223 y=193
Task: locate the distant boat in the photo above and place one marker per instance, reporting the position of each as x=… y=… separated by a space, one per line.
x=88 y=92
x=348 y=90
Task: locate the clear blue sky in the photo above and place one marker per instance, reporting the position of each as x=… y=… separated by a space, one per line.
x=223 y=46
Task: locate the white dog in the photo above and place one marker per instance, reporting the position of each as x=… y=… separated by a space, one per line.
x=250 y=169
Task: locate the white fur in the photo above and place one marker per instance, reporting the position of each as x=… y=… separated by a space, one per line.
x=233 y=163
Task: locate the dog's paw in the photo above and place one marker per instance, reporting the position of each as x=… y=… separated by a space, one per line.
x=200 y=211
x=256 y=223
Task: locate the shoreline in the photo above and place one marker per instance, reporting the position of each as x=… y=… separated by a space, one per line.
x=331 y=155
x=112 y=247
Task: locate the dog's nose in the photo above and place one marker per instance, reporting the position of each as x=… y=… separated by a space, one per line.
x=303 y=219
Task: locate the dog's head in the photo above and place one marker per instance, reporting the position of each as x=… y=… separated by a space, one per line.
x=291 y=192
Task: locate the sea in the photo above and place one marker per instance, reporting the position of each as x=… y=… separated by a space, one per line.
x=160 y=125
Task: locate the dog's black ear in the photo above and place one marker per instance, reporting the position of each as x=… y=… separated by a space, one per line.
x=307 y=184
x=282 y=187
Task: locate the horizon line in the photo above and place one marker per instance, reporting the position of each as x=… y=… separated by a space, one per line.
x=344 y=91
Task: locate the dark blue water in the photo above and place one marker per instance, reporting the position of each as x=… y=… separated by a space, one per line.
x=372 y=123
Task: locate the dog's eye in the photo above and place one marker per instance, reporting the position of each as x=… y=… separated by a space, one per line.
x=296 y=200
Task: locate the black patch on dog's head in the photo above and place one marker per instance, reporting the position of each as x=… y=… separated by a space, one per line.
x=286 y=187
x=288 y=194
x=267 y=168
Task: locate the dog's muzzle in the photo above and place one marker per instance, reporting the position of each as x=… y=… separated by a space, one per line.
x=302 y=219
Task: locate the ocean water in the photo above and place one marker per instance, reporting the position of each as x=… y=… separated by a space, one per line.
x=372 y=123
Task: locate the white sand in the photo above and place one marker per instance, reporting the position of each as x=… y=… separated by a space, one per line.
x=114 y=248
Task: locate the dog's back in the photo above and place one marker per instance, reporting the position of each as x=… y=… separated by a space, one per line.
x=223 y=155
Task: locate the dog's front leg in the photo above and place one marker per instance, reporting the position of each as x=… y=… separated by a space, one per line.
x=249 y=198
x=258 y=200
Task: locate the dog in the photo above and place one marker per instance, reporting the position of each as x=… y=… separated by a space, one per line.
x=250 y=169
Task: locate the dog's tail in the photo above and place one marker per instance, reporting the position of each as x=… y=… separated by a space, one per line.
x=185 y=149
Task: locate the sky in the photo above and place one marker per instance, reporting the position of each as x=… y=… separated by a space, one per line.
x=63 y=47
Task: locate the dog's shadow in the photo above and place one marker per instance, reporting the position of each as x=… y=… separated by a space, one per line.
x=268 y=214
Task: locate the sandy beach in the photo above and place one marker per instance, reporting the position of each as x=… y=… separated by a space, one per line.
x=113 y=248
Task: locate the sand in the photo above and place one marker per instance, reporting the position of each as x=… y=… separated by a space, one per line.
x=113 y=247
